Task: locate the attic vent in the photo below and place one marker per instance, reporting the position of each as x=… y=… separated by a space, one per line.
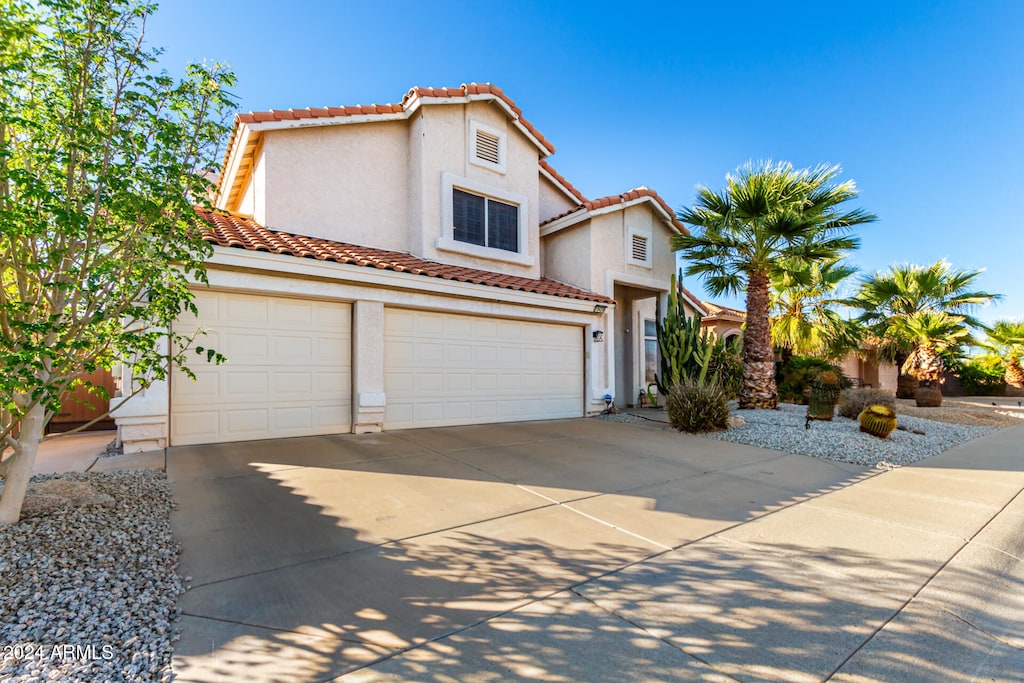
x=487 y=147
x=639 y=248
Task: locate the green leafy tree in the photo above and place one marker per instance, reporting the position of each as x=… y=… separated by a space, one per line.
x=888 y=299
x=768 y=215
x=804 y=318
x=1005 y=346
x=100 y=161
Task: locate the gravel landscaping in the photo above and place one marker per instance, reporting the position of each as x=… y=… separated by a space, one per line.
x=841 y=440
x=89 y=593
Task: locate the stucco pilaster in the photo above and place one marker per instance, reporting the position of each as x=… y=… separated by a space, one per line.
x=368 y=399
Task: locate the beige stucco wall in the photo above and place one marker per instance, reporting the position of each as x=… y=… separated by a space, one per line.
x=567 y=256
x=553 y=201
x=609 y=244
x=345 y=183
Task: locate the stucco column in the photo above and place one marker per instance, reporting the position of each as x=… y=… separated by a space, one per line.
x=367 y=367
x=142 y=420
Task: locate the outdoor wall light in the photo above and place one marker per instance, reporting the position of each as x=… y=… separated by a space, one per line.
x=600 y=308
x=598 y=335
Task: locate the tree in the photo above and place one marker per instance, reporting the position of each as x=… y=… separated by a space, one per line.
x=804 y=320
x=768 y=215
x=100 y=160
x=1005 y=346
x=929 y=335
x=887 y=299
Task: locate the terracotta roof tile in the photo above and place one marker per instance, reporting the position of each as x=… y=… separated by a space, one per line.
x=561 y=179
x=230 y=230
x=612 y=200
x=716 y=311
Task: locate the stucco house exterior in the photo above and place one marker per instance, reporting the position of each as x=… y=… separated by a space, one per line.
x=409 y=265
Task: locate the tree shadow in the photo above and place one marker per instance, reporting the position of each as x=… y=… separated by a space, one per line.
x=313 y=558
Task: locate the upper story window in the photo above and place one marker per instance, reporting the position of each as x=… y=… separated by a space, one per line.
x=484 y=221
x=481 y=220
x=638 y=247
x=486 y=147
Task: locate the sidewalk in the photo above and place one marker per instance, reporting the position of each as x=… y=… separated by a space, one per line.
x=80 y=453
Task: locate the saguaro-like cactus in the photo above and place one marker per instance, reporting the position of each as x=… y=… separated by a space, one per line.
x=686 y=349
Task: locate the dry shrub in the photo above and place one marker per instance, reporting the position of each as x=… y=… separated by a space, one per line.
x=697 y=407
x=853 y=401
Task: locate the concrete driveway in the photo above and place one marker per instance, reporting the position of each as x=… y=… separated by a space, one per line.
x=583 y=550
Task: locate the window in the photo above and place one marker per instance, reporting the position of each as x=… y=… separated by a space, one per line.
x=650 y=350
x=484 y=221
x=638 y=247
x=486 y=147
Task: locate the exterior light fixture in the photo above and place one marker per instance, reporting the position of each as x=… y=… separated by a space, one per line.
x=598 y=335
x=600 y=308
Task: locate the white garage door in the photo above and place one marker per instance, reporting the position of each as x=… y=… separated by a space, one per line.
x=443 y=369
x=289 y=370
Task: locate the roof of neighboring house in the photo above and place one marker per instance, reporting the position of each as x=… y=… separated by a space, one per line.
x=621 y=201
x=699 y=305
x=231 y=230
x=410 y=102
x=716 y=312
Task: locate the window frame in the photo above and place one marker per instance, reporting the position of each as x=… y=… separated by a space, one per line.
x=447 y=242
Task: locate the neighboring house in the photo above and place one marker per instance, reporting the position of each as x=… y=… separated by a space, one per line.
x=863 y=367
x=725 y=323
x=410 y=265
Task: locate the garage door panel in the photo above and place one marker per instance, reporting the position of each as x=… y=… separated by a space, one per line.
x=468 y=369
x=288 y=371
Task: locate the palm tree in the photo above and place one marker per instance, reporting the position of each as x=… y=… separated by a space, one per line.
x=804 y=320
x=886 y=298
x=1005 y=344
x=929 y=335
x=767 y=215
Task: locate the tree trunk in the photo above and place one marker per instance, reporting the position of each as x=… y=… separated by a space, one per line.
x=20 y=469
x=906 y=385
x=758 y=359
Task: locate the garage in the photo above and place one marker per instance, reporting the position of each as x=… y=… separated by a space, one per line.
x=445 y=369
x=289 y=370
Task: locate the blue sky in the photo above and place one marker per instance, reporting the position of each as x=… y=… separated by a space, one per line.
x=922 y=103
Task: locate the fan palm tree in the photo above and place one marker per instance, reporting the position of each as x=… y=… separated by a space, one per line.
x=804 y=320
x=768 y=214
x=1005 y=344
x=930 y=335
x=889 y=297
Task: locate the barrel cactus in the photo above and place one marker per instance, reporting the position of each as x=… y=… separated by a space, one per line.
x=877 y=421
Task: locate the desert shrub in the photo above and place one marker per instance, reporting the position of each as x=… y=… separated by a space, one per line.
x=727 y=365
x=697 y=406
x=793 y=378
x=976 y=379
x=853 y=401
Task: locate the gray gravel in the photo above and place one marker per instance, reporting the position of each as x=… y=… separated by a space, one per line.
x=89 y=594
x=842 y=440
x=620 y=417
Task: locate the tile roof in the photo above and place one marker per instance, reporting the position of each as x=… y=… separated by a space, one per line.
x=716 y=311
x=619 y=199
x=231 y=230
x=464 y=90
x=565 y=183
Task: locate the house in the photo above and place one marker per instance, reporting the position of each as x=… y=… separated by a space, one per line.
x=408 y=265
x=864 y=367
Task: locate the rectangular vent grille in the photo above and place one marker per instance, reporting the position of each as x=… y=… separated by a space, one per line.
x=487 y=147
x=639 y=248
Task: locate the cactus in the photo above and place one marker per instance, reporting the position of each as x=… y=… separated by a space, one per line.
x=686 y=349
x=877 y=421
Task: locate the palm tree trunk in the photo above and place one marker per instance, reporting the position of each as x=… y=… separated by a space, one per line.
x=906 y=385
x=1014 y=377
x=758 y=359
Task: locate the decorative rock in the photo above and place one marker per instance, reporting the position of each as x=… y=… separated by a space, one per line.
x=735 y=422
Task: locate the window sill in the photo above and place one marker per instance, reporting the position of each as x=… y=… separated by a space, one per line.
x=445 y=244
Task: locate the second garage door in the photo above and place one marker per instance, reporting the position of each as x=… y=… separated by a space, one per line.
x=444 y=369
x=289 y=370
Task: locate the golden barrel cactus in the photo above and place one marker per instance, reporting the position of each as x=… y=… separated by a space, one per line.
x=877 y=421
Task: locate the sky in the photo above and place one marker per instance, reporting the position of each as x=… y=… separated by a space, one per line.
x=921 y=103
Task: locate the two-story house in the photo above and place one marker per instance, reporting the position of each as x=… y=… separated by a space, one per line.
x=410 y=265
